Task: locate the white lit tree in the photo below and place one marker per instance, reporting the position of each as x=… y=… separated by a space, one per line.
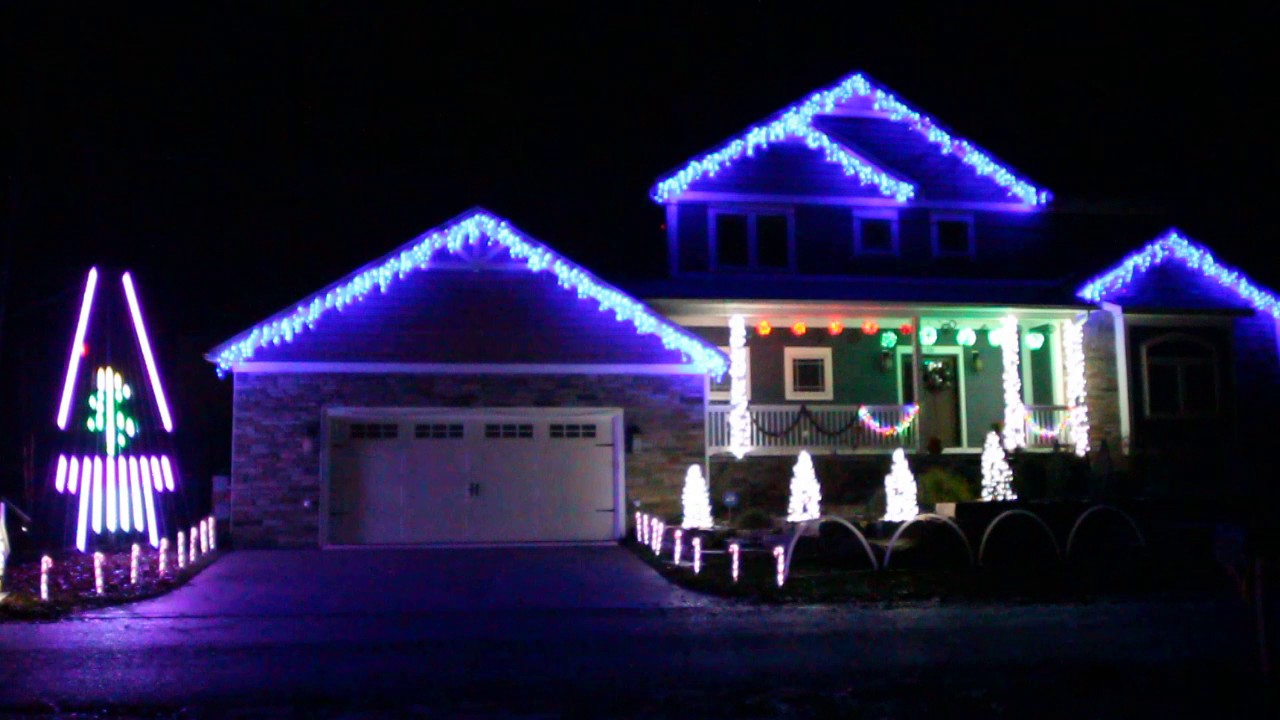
x=696 y=500
x=997 y=478
x=900 y=490
x=806 y=493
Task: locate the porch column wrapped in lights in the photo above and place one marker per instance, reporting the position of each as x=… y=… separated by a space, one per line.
x=739 y=416
x=1077 y=406
x=1015 y=412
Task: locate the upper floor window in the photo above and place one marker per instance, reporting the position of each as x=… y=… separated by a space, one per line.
x=952 y=234
x=808 y=373
x=752 y=239
x=875 y=232
x=1179 y=377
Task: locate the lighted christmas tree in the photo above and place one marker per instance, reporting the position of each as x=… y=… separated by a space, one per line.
x=696 y=500
x=997 y=478
x=114 y=462
x=806 y=493
x=900 y=490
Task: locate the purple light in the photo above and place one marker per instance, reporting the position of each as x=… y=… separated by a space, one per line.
x=77 y=348
x=153 y=532
x=135 y=488
x=168 y=472
x=82 y=521
x=477 y=228
x=156 y=475
x=122 y=479
x=60 y=481
x=111 y=493
x=97 y=494
x=796 y=122
x=145 y=344
x=1172 y=246
x=73 y=475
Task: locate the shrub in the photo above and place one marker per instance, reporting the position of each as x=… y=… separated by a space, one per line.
x=942 y=485
x=754 y=519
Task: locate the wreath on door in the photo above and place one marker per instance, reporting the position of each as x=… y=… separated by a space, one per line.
x=938 y=376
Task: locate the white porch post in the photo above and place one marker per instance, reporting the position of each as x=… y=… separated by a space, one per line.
x=917 y=386
x=1122 y=371
x=1015 y=412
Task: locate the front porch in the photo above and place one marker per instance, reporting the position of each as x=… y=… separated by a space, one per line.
x=845 y=378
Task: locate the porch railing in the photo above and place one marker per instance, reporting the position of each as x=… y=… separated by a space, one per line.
x=1045 y=423
x=777 y=429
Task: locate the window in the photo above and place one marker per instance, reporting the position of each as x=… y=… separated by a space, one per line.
x=1179 y=377
x=569 y=431
x=438 y=431
x=875 y=232
x=952 y=235
x=374 y=431
x=807 y=373
x=508 y=430
x=751 y=240
x=720 y=390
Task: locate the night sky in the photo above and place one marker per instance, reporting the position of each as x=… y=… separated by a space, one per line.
x=238 y=159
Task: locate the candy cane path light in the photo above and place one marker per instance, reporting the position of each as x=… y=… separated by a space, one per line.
x=163 y=565
x=134 y=552
x=46 y=564
x=697 y=555
x=780 y=556
x=97 y=572
x=734 y=551
x=182 y=550
x=678 y=538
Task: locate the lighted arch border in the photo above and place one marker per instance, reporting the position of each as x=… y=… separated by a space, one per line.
x=796 y=123
x=1172 y=245
x=471 y=228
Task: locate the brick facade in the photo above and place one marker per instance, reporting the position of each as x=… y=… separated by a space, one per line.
x=276 y=453
x=1102 y=385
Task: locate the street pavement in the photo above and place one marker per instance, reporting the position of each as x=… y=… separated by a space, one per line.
x=592 y=631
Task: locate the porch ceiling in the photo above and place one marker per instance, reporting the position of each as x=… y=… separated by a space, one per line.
x=698 y=312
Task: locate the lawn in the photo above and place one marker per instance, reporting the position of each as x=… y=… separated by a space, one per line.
x=824 y=570
x=72 y=587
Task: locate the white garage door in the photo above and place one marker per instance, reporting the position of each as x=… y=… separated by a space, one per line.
x=437 y=476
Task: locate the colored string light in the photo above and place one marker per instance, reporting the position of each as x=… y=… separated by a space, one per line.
x=908 y=417
x=799 y=329
x=835 y=327
x=888 y=339
x=763 y=328
x=870 y=327
x=1173 y=246
x=477 y=228
x=796 y=123
x=928 y=336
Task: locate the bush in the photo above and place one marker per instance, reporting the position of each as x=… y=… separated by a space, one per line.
x=754 y=519
x=941 y=485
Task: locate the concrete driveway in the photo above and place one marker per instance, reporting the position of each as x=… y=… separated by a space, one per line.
x=287 y=583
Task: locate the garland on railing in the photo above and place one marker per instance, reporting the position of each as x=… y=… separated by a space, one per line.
x=862 y=417
x=888 y=430
x=1044 y=433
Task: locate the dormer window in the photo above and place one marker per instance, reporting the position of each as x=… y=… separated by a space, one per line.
x=752 y=240
x=875 y=232
x=952 y=235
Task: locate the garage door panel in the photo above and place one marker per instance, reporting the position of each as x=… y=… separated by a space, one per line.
x=504 y=477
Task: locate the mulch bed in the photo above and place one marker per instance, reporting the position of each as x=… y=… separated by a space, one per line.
x=71 y=583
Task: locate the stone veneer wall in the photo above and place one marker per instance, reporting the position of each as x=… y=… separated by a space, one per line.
x=1102 y=386
x=275 y=467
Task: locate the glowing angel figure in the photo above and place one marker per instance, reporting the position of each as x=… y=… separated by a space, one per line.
x=116 y=486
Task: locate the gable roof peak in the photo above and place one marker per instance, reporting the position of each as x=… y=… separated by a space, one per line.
x=474 y=226
x=795 y=122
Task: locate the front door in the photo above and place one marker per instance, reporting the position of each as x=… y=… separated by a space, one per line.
x=940 y=403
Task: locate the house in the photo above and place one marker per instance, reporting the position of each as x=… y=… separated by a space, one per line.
x=470 y=386
x=904 y=286
x=899 y=287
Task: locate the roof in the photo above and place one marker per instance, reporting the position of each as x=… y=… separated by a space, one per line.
x=804 y=122
x=474 y=227
x=1173 y=250
x=862 y=289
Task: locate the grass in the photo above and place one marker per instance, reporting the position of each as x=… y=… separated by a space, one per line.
x=824 y=577
x=71 y=584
